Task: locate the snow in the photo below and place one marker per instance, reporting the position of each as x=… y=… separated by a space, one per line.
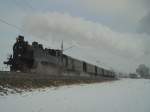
x=126 y=95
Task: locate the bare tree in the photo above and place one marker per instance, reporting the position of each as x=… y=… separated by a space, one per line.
x=143 y=70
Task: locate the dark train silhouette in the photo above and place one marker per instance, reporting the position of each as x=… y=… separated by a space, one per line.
x=35 y=59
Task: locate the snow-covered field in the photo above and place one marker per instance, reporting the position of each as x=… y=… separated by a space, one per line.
x=127 y=95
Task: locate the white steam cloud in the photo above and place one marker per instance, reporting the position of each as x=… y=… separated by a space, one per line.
x=57 y=26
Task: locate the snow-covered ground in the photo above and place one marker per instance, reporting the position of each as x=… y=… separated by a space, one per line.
x=127 y=95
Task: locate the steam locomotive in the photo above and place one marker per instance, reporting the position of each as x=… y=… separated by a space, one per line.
x=34 y=58
x=22 y=57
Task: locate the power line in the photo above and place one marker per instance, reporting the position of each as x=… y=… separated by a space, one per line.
x=69 y=48
x=12 y=25
x=9 y=24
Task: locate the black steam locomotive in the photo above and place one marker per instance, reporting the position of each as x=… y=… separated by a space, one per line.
x=34 y=58
x=22 y=57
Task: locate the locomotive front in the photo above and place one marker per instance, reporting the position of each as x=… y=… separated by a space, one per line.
x=22 y=58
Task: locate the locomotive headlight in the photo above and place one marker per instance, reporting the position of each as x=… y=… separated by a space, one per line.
x=19 y=55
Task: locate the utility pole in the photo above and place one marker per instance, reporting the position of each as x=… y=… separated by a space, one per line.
x=62 y=47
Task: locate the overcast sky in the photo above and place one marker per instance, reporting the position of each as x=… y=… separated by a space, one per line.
x=111 y=33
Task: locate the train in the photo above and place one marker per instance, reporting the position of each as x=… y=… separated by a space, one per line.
x=34 y=58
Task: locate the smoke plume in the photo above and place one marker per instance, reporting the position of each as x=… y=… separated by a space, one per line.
x=57 y=26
